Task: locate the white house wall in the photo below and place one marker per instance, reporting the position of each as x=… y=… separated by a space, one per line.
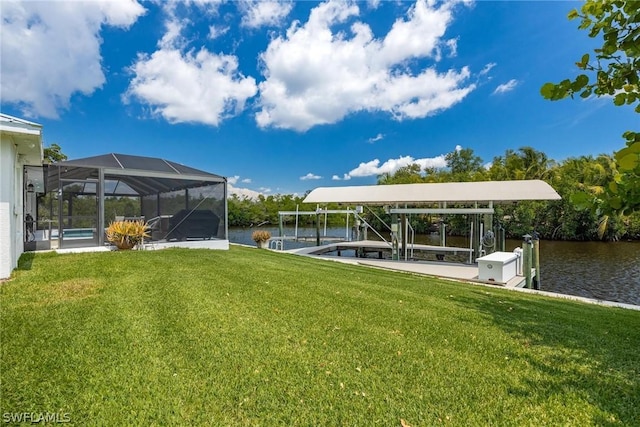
x=20 y=145
x=10 y=208
x=6 y=254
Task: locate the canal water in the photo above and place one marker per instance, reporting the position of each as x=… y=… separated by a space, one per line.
x=602 y=270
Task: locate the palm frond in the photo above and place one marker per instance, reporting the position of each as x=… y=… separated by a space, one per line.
x=603 y=224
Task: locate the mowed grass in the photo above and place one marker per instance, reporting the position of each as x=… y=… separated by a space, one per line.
x=253 y=337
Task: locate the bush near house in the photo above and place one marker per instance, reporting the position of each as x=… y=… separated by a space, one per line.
x=127 y=234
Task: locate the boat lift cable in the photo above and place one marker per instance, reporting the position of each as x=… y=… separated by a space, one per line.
x=379 y=219
x=370 y=227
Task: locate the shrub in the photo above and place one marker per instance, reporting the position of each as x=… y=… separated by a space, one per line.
x=127 y=234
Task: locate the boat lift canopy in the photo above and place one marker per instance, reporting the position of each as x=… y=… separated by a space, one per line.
x=470 y=198
x=427 y=193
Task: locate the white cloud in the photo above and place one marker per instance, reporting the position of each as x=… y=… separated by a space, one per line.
x=201 y=87
x=233 y=180
x=506 y=87
x=452 y=44
x=373 y=4
x=217 y=31
x=243 y=192
x=315 y=76
x=374 y=168
x=192 y=86
x=261 y=13
x=51 y=50
x=345 y=177
x=376 y=138
x=310 y=176
x=210 y=5
x=487 y=68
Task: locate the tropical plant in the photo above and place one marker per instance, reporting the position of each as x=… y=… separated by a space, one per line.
x=260 y=236
x=614 y=71
x=525 y=163
x=127 y=234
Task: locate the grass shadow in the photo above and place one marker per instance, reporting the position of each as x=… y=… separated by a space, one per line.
x=576 y=350
x=25 y=261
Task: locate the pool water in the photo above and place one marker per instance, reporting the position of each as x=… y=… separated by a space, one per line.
x=78 y=233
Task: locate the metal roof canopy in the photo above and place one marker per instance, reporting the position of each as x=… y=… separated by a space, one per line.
x=489 y=192
x=130 y=176
x=145 y=175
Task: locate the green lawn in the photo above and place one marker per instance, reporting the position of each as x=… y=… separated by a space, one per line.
x=254 y=337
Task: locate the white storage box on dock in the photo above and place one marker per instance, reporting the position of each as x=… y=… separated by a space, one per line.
x=497 y=267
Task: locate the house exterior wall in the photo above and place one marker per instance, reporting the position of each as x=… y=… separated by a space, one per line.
x=10 y=208
x=20 y=145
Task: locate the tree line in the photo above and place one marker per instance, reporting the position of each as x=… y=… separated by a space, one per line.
x=565 y=219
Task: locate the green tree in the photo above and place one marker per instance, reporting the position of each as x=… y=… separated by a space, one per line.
x=410 y=174
x=54 y=154
x=613 y=71
x=535 y=163
x=577 y=175
x=464 y=165
x=526 y=163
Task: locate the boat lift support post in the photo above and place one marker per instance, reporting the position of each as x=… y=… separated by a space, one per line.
x=536 y=260
x=474 y=211
x=396 y=236
x=318 y=214
x=527 y=249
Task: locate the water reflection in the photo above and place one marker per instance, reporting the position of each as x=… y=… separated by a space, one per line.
x=607 y=271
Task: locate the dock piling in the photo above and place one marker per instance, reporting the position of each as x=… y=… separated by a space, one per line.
x=536 y=260
x=318 y=225
x=527 y=249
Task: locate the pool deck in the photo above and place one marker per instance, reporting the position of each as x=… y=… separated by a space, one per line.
x=467 y=273
x=218 y=244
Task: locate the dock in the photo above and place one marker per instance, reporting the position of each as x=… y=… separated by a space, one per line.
x=444 y=269
x=364 y=247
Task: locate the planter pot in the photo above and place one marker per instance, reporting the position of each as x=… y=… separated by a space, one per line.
x=123 y=246
x=263 y=244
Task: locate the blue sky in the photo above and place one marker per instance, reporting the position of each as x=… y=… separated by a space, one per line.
x=283 y=97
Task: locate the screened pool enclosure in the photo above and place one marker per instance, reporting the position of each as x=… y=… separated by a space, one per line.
x=69 y=204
